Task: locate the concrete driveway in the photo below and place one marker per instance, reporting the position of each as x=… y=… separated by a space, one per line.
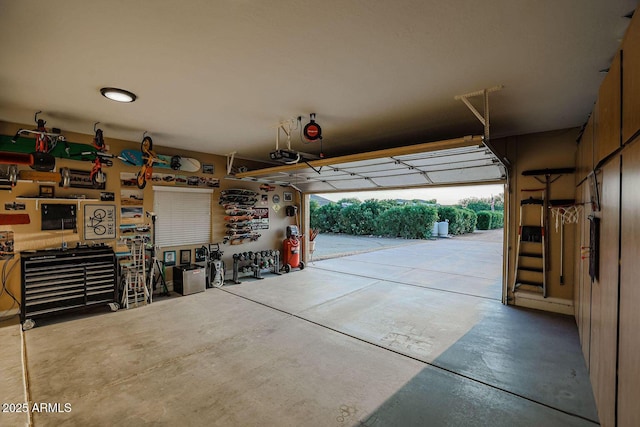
x=469 y=264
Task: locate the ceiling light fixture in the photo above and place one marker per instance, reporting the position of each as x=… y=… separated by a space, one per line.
x=119 y=95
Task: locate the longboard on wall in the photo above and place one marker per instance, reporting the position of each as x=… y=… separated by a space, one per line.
x=63 y=177
x=187 y=164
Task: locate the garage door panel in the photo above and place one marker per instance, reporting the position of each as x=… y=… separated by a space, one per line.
x=407 y=180
x=485 y=173
x=349 y=184
x=455 y=162
x=375 y=168
x=444 y=160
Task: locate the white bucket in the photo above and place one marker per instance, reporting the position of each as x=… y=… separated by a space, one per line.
x=443 y=229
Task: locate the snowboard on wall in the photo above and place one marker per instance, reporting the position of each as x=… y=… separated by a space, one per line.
x=62 y=150
x=187 y=164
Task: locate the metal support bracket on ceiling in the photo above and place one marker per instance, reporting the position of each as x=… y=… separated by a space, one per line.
x=230 y=157
x=286 y=132
x=484 y=118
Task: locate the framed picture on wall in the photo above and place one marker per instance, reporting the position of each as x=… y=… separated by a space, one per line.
x=185 y=257
x=287 y=196
x=99 y=222
x=82 y=179
x=169 y=258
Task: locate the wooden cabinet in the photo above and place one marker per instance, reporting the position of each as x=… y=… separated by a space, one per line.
x=604 y=297
x=584 y=282
x=607 y=126
x=585 y=161
x=629 y=341
x=631 y=80
x=57 y=281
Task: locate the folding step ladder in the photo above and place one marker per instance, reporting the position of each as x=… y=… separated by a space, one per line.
x=135 y=292
x=531 y=270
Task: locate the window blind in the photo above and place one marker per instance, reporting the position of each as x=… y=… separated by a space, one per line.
x=183 y=216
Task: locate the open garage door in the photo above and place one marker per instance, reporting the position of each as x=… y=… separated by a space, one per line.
x=452 y=162
x=455 y=162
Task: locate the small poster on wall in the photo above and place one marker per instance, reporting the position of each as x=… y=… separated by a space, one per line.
x=131 y=197
x=261 y=219
x=131 y=215
x=128 y=179
x=99 y=222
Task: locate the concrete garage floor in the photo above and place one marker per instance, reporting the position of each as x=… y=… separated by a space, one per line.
x=314 y=348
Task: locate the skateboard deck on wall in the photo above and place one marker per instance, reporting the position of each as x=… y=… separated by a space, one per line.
x=238 y=192
x=135 y=158
x=239 y=211
x=239 y=207
x=238 y=200
x=238 y=218
x=237 y=239
x=241 y=224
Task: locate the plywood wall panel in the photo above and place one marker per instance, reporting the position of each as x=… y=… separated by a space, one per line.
x=607 y=129
x=631 y=80
x=629 y=344
x=604 y=298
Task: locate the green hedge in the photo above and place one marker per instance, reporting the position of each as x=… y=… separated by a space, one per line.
x=484 y=220
x=469 y=220
x=409 y=221
x=489 y=220
x=389 y=218
x=461 y=220
x=326 y=217
x=497 y=219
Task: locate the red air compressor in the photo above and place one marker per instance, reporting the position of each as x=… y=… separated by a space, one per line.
x=291 y=250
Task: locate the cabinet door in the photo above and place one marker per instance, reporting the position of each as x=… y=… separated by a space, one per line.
x=631 y=80
x=584 y=325
x=604 y=298
x=607 y=132
x=629 y=356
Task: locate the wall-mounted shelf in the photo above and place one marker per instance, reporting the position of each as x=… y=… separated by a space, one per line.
x=56 y=199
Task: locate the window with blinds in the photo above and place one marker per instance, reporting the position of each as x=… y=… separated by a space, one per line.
x=183 y=216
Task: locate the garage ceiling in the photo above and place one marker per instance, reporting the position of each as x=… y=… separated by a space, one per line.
x=219 y=76
x=458 y=161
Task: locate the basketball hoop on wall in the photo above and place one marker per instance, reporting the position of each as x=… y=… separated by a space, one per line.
x=566 y=215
